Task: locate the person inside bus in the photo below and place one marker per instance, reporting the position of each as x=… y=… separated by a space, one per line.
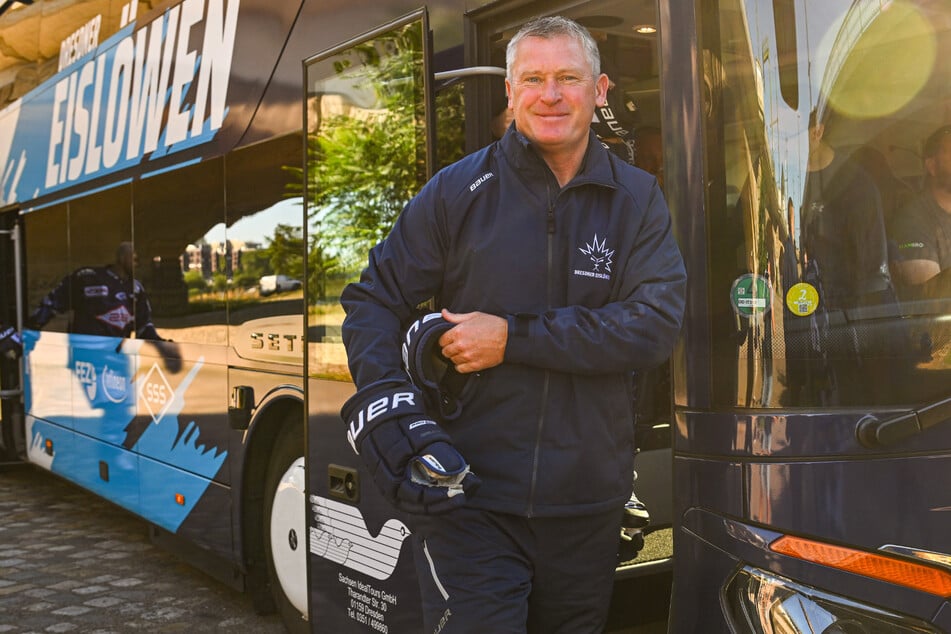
x=922 y=230
x=649 y=151
x=845 y=250
x=104 y=300
x=615 y=120
x=559 y=276
x=845 y=257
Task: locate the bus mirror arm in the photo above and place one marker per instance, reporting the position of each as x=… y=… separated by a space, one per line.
x=874 y=432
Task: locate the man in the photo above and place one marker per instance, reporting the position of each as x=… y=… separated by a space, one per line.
x=844 y=256
x=843 y=229
x=104 y=300
x=922 y=230
x=615 y=119
x=559 y=276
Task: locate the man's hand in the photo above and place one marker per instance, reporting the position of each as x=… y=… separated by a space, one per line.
x=411 y=458
x=476 y=341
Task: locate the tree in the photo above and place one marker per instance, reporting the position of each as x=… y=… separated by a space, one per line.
x=195 y=282
x=284 y=251
x=366 y=164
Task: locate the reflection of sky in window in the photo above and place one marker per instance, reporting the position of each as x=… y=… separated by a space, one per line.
x=817 y=29
x=349 y=87
x=257 y=227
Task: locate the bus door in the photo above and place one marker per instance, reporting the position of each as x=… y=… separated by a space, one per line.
x=11 y=411
x=812 y=443
x=367 y=111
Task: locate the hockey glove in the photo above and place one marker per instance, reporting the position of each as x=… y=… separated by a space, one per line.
x=434 y=374
x=410 y=457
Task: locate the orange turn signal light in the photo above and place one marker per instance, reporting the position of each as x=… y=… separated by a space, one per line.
x=882 y=567
x=179 y=499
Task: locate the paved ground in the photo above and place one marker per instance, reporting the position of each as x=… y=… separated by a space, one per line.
x=71 y=562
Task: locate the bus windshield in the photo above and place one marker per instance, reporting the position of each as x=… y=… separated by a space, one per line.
x=829 y=234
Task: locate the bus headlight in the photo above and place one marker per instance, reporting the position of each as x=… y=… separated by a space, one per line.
x=760 y=602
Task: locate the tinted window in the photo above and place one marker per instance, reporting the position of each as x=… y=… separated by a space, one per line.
x=814 y=117
x=366 y=158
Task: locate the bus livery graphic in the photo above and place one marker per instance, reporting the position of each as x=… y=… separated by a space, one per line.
x=142 y=93
x=341 y=535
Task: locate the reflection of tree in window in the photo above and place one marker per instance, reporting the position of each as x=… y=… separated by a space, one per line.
x=366 y=163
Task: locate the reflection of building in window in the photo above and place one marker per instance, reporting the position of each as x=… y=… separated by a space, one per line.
x=217 y=257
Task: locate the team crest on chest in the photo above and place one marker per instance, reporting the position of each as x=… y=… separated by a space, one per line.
x=600 y=259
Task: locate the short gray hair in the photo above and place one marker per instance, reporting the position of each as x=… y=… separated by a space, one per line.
x=548 y=28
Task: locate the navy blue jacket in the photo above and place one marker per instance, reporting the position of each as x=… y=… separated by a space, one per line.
x=592 y=284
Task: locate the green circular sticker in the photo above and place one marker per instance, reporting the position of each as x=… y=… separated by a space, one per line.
x=802 y=299
x=751 y=295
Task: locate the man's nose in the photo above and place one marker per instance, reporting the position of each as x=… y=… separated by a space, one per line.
x=551 y=90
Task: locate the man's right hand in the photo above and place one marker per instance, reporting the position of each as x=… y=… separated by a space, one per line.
x=476 y=341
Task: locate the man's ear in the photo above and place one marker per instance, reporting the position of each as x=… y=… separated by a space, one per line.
x=601 y=86
x=931 y=166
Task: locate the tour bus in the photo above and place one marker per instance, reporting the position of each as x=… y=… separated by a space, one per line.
x=794 y=453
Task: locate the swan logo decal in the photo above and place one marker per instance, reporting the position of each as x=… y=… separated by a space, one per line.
x=341 y=535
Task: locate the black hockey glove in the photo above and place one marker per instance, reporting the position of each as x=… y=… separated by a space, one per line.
x=410 y=457
x=435 y=375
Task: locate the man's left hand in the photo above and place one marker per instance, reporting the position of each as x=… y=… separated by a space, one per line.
x=476 y=341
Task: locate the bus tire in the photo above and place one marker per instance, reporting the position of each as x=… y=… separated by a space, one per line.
x=285 y=530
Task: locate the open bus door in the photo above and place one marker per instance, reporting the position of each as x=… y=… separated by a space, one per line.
x=812 y=443
x=11 y=404
x=368 y=123
x=360 y=567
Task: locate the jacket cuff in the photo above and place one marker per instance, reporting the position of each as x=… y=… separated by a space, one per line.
x=518 y=347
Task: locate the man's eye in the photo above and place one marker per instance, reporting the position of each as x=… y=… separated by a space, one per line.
x=532 y=80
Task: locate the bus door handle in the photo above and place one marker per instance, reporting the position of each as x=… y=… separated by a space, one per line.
x=872 y=431
x=343 y=483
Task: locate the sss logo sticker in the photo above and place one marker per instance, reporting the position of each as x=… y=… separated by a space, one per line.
x=156 y=393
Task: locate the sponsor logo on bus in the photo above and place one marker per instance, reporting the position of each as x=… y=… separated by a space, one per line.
x=114 y=385
x=156 y=393
x=86 y=374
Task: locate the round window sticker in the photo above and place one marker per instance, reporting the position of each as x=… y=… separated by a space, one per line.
x=750 y=295
x=802 y=299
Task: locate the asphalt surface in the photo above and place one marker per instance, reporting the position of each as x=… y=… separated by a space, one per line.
x=72 y=562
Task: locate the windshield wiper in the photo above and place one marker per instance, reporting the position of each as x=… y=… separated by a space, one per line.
x=872 y=431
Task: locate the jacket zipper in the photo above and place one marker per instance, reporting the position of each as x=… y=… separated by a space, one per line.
x=544 y=403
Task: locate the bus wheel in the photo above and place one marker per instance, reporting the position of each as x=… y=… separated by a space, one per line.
x=285 y=529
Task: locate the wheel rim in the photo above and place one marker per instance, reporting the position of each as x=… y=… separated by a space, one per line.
x=288 y=536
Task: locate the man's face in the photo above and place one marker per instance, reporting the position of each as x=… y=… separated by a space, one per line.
x=553 y=93
x=939 y=165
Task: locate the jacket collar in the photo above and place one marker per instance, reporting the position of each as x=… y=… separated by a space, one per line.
x=596 y=166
